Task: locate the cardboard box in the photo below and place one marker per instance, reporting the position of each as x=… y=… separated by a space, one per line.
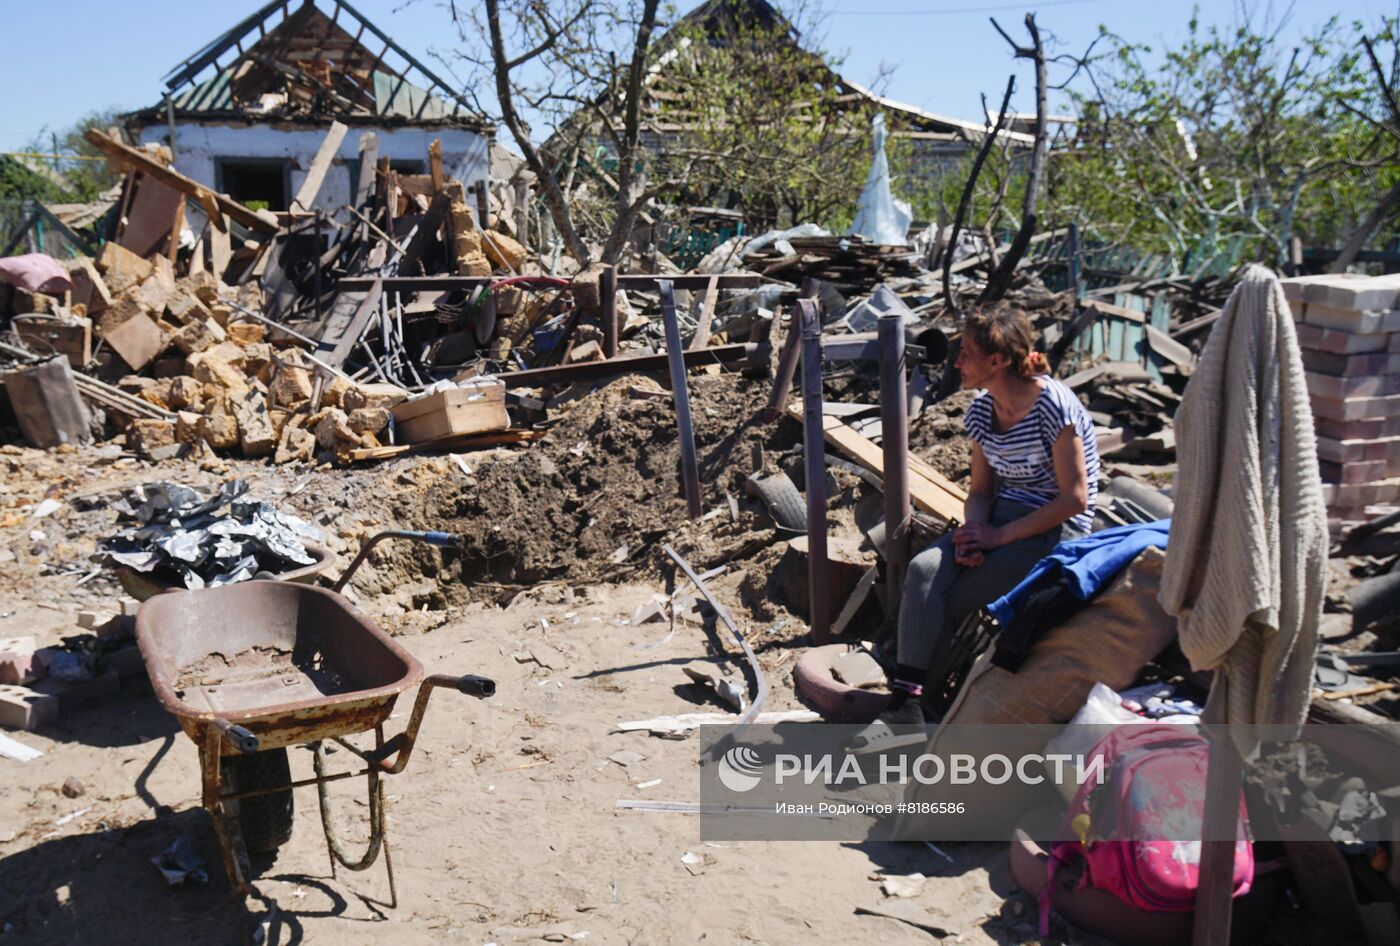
x=475 y=408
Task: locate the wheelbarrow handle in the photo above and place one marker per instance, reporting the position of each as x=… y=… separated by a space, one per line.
x=478 y=686
x=236 y=736
x=440 y=539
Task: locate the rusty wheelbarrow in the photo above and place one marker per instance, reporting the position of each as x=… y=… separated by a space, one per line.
x=250 y=669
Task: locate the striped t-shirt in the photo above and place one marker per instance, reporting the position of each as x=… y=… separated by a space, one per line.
x=1022 y=457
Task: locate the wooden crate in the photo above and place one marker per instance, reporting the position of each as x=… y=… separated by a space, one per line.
x=469 y=410
x=46 y=334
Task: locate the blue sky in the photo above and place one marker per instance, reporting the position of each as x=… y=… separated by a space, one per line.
x=100 y=53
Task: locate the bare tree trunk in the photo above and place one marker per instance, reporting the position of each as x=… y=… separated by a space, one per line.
x=628 y=207
x=968 y=188
x=1000 y=280
x=549 y=184
x=1378 y=215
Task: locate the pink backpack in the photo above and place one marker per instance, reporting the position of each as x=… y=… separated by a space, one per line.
x=1153 y=795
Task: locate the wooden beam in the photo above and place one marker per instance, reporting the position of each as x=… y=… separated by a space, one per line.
x=320 y=165
x=930 y=490
x=707 y=312
x=126 y=156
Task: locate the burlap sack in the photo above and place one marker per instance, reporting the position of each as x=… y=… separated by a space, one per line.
x=1108 y=642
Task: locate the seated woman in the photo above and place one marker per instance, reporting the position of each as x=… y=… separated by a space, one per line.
x=1035 y=468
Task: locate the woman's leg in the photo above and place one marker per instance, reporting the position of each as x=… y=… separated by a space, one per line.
x=923 y=608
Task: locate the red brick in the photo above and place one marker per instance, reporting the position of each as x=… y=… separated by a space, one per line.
x=1356 y=408
x=1350 y=366
x=1369 y=471
x=1355 y=451
x=1377 y=428
x=1343 y=343
x=1381 y=385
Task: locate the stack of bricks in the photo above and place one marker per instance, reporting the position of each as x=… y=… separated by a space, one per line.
x=1349 y=331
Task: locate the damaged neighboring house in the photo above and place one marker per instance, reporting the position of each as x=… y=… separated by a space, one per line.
x=936 y=144
x=246 y=114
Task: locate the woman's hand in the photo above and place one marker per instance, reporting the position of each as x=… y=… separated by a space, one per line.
x=972 y=541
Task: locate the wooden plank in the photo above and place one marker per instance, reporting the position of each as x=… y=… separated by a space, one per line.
x=707 y=312
x=219 y=250
x=435 y=164
x=145 y=227
x=930 y=491
x=369 y=157
x=320 y=165
x=350 y=315
x=129 y=157
x=469 y=442
x=452 y=413
x=172 y=252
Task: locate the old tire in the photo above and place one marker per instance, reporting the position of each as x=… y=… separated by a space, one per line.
x=828 y=695
x=266 y=820
x=780 y=497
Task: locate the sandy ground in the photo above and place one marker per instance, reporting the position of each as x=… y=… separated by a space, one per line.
x=503 y=827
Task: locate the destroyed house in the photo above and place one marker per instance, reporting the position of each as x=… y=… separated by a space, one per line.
x=246 y=114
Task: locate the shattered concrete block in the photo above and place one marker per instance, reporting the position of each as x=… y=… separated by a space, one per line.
x=257 y=360
x=387 y=396
x=466 y=243
x=187 y=426
x=585 y=289
x=144 y=435
x=121 y=268
x=220 y=313
x=184 y=393
x=227 y=351
x=333 y=431
x=588 y=351
x=220 y=431
x=157 y=394
x=203 y=284
x=18 y=665
x=290 y=386
x=89 y=288
x=256 y=434
x=279 y=420
x=185 y=307
x=119 y=312
x=247 y=333
x=153 y=294
x=334 y=393
x=198 y=335
x=225 y=378
x=369 y=440
x=369 y=420
x=474 y=266
x=137 y=341
x=23 y=708
x=294 y=444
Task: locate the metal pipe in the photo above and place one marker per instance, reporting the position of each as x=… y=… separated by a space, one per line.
x=894 y=436
x=440 y=539
x=815 y=451
x=787 y=359
x=675 y=355
x=760 y=693
x=607 y=303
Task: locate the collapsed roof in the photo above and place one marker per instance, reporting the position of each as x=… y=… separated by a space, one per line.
x=289 y=62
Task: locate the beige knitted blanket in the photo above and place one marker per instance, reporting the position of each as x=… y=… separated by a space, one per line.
x=1246 y=566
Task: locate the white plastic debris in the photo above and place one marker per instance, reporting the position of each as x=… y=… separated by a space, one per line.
x=880 y=217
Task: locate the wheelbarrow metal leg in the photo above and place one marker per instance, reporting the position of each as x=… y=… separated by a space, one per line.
x=225 y=825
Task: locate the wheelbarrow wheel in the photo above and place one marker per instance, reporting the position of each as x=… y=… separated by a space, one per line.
x=266 y=820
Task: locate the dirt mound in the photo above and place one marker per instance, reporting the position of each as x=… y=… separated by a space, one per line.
x=937 y=436
x=602 y=487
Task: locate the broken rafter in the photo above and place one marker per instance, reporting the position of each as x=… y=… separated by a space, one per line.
x=213 y=203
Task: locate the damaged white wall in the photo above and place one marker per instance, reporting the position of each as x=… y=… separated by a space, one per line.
x=199 y=147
